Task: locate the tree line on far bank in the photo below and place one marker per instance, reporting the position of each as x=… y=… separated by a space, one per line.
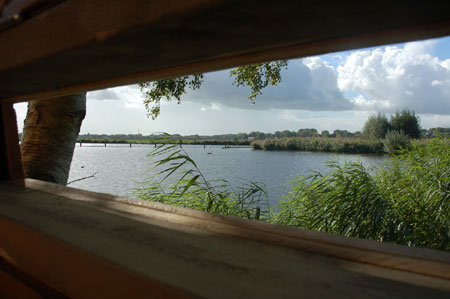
x=406 y=122
x=256 y=135
x=379 y=134
x=395 y=133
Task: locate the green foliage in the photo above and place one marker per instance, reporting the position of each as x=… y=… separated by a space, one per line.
x=406 y=122
x=258 y=76
x=407 y=202
x=342 y=133
x=320 y=144
x=417 y=183
x=376 y=126
x=167 y=88
x=307 y=133
x=177 y=180
x=347 y=201
x=395 y=141
x=436 y=132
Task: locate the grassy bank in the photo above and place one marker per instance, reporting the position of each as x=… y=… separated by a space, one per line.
x=320 y=144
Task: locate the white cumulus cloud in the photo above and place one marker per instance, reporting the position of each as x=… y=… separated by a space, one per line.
x=394 y=78
x=129 y=95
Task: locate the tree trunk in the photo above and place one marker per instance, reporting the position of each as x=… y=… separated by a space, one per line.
x=49 y=135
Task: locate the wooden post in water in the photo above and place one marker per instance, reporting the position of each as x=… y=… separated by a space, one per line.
x=105 y=144
x=130 y=144
x=81 y=144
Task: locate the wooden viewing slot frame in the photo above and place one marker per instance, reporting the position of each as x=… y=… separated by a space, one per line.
x=85 y=244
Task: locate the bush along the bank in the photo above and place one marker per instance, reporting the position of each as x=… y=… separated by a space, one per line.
x=320 y=144
x=407 y=202
x=395 y=141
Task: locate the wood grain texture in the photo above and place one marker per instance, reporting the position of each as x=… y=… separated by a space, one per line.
x=74 y=272
x=86 y=45
x=423 y=261
x=202 y=254
x=10 y=159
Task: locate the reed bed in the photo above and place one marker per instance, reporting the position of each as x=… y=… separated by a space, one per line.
x=406 y=201
x=321 y=144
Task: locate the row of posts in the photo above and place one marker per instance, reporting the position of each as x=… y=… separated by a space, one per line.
x=81 y=144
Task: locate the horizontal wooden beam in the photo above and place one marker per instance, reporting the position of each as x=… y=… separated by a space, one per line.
x=86 y=45
x=376 y=253
x=84 y=239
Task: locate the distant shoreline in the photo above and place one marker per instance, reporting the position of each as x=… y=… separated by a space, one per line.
x=305 y=144
x=166 y=141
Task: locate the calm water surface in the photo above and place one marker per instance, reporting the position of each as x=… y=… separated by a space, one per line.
x=119 y=168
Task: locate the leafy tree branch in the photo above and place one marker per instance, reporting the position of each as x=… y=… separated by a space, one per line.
x=256 y=76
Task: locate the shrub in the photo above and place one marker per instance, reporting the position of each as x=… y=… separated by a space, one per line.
x=406 y=122
x=376 y=126
x=395 y=141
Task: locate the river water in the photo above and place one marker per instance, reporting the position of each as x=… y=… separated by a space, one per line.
x=119 y=168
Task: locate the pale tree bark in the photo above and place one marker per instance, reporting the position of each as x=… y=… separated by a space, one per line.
x=49 y=136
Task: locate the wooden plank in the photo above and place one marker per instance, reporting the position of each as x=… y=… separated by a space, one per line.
x=10 y=158
x=199 y=253
x=15 y=283
x=417 y=260
x=74 y=272
x=86 y=45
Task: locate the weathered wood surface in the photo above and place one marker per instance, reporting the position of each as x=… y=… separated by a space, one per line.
x=100 y=237
x=90 y=44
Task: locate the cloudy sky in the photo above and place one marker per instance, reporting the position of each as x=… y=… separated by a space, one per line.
x=333 y=91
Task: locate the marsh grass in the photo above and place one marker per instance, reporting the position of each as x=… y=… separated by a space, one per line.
x=177 y=180
x=346 y=201
x=320 y=144
x=406 y=201
x=417 y=182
